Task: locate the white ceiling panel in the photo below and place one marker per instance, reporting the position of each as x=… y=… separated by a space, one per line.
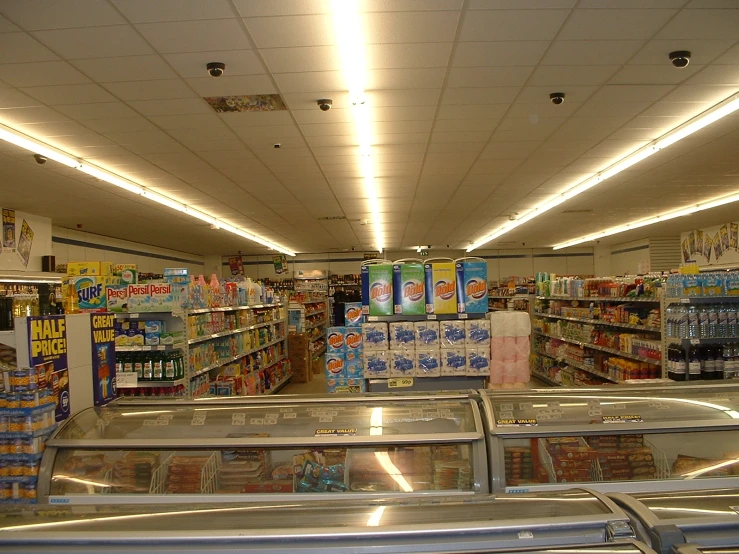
x=195 y=36
x=150 y=90
x=144 y=11
x=482 y=54
x=301 y=59
x=310 y=82
x=126 y=68
x=653 y=75
x=11 y=98
x=23 y=48
x=718 y=75
x=488 y=76
x=233 y=86
x=55 y=14
x=459 y=125
x=702 y=24
x=41 y=114
x=282 y=32
x=615 y=24
x=481 y=95
x=175 y=106
x=8 y=27
x=95 y=42
x=423 y=78
x=412 y=55
x=592 y=52
x=69 y=94
x=409 y=27
x=395 y=98
x=193 y=64
x=514 y=25
x=41 y=74
x=102 y=110
x=559 y=76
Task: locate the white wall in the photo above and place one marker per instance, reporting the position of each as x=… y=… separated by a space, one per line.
x=69 y=245
x=501 y=263
x=41 y=246
x=627 y=258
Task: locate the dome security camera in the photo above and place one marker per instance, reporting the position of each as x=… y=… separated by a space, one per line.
x=324 y=104
x=216 y=69
x=680 y=58
x=557 y=98
x=39 y=158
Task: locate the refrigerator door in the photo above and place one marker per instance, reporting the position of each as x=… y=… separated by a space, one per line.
x=574 y=521
x=221 y=451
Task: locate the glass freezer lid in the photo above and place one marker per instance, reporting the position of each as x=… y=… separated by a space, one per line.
x=663 y=406
x=718 y=503
x=442 y=419
x=298 y=518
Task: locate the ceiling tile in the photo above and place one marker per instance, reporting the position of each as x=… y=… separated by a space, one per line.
x=95 y=42
x=311 y=81
x=390 y=98
x=569 y=76
x=717 y=75
x=471 y=111
x=233 y=86
x=411 y=55
x=300 y=59
x=251 y=119
x=448 y=125
x=23 y=48
x=283 y=32
x=8 y=27
x=472 y=54
x=195 y=36
x=120 y=125
x=127 y=68
x=70 y=94
x=731 y=56
x=488 y=76
x=52 y=14
x=150 y=90
x=102 y=110
x=143 y=11
x=702 y=24
x=611 y=94
x=515 y=25
x=653 y=75
x=171 y=107
x=409 y=27
x=428 y=78
x=655 y=52
x=481 y=95
x=592 y=52
x=41 y=74
x=621 y=24
x=519 y=4
x=204 y=122
x=10 y=98
x=193 y=64
x=30 y=115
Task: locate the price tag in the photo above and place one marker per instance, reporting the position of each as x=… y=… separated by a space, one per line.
x=695 y=341
x=197 y=422
x=622 y=419
x=241 y=418
x=284 y=410
x=290 y=415
x=415 y=413
x=595 y=412
x=332 y=413
x=150 y=422
x=133 y=316
x=270 y=422
x=463 y=316
x=146 y=348
x=525 y=535
x=432 y=317
x=619 y=406
x=593 y=402
x=445 y=412
x=506 y=415
x=162 y=422
x=685 y=301
x=325 y=419
x=506 y=407
x=400 y=383
x=373 y=318
x=432 y=415
x=554 y=404
x=525 y=406
x=126 y=380
x=166 y=416
x=256 y=421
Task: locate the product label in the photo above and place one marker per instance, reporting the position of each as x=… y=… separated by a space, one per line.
x=511 y=422
x=400 y=383
x=623 y=419
x=335 y=432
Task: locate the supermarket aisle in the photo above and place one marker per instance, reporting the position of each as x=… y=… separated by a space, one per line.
x=316 y=386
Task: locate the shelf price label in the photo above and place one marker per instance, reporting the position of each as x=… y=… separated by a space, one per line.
x=530 y=422
x=622 y=419
x=335 y=432
x=400 y=383
x=127 y=380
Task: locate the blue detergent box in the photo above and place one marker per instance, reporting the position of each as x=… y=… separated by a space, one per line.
x=335 y=340
x=353 y=345
x=335 y=365
x=354 y=368
x=472 y=286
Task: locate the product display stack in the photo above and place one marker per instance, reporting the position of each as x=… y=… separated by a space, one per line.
x=509 y=349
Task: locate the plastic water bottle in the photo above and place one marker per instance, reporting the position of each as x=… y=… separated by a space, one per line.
x=712 y=320
x=723 y=321
x=693 y=327
x=681 y=322
x=732 y=321
x=728 y=362
x=670 y=321
x=703 y=322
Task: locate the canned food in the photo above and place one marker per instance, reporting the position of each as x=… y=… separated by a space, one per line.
x=13 y=400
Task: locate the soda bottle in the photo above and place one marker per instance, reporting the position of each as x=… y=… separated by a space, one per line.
x=732 y=319
x=679 y=366
x=169 y=369
x=708 y=363
x=726 y=354
x=694 y=363
x=718 y=355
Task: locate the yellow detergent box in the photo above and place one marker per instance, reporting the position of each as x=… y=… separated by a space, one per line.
x=441 y=288
x=91 y=291
x=89 y=268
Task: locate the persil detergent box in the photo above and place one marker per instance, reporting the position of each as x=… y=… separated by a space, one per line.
x=335 y=339
x=335 y=364
x=452 y=334
x=402 y=363
x=478 y=333
x=376 y=364
x=402 y=335
x=116 y=298
x=352 y=314
x=441 y=291
x=428 y=362
x=381 y=289
x=353 y=343
x=409 y=289
x=374 y=336
x=453 y=361
x=472 y=286
x=153 y=297
x=478 y=362
x=427 y=334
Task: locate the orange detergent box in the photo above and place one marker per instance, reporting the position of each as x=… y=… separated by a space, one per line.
x=441 y=288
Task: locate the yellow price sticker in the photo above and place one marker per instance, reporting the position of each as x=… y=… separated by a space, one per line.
x=400 y=383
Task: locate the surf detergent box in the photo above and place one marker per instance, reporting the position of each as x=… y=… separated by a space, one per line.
x=409 y=290
x=380 y=282
x=91 y=293
x=472 y=286
x=353 y=344
x=352 y=314
x=441 y=291
x=335 y=339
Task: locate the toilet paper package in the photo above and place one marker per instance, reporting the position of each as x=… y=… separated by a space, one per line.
x=478 y=362
x=428 y=362
x=452 y=334
x=376 y=364
x=477 y=332
x=453 y=361
x=402 y=335
x=375 y=336
x=427 y=334
x=402 y=363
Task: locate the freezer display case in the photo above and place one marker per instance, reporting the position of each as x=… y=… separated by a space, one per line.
x=208 y=451
x=564 y=522
x=614 y=439
x=681 y=521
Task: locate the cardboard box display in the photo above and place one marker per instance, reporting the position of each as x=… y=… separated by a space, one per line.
x=97 y=269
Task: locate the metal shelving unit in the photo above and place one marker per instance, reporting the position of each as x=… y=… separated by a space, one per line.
x=601 y=348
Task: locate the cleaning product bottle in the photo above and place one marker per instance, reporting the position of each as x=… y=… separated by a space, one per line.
x=215 y=291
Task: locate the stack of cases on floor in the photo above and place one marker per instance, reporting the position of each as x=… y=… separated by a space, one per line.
x=426 y=349
x=344 y=366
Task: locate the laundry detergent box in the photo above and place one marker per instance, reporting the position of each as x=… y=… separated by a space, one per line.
x=335 y=364
x=374 y=336
x=380 y=283
x=376 y=363
x=402 y=334
x=353 y=346
x=478 y=362
x=354 y=368
x=116 y=298
x=428 y=362
x=91 y=294
x=441 y=291
x=453 y=361
x=452 y=334
x=335 y=339
x=477 y=333
x=409 y=286
x=352 y=314
x=89 y=268
x=402 y=363
x=153 y=297
x=364 y=280
x=427 y=334
x=472 y=286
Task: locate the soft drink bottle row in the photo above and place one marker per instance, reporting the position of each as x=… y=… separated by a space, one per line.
x=153 y=365
x=702 y=321
x=703 y=362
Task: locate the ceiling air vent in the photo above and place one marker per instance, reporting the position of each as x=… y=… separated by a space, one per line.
x=577 y=212
x=331 y=218
x=246 y=103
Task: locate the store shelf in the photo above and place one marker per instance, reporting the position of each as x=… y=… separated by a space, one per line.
x=320 y=351
x=196 y=340
x=592 y=346
x=279 y=386
x=701 y=299
x=312 y=302
x=231 y=308
x=7 y=338
x=318 y=337
x=578 y=365
x=601 y=322
x=545 y=378
x=685 y=343
x=315 y=325
x=427 y=317
x=648 y=299
x=160 y=348
x=507 y=296
x=234 y=358
x=151 y=384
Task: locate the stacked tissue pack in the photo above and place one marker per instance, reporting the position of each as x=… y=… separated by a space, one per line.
x=509 y=346
x=426 y=348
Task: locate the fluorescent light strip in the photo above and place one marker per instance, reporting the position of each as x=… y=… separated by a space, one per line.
x=19 y=139
x=666 y=216
x=720 y=110
x=350 y=44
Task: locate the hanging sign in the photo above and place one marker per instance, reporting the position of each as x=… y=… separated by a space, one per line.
x=47 y=349
x=103 y=358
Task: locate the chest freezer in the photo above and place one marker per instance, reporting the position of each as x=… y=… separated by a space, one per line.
x=614 y=439
x=564 y=522
x=277 y=448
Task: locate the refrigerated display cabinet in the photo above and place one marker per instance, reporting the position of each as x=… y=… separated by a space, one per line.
x=614 y=439
x=566 y=522
x=705 y=519
x=233 y=449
